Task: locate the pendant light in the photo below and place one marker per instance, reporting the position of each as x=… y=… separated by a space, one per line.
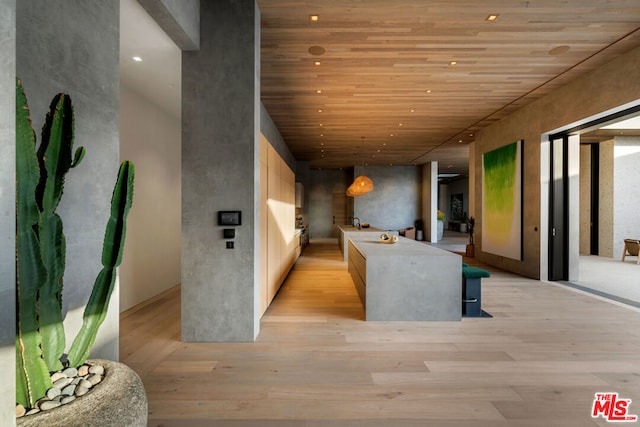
x=361 y=185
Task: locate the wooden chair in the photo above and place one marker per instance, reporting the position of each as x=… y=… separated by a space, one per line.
x=631 y=248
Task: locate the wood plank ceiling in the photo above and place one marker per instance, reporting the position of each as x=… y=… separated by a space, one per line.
x=373 y=82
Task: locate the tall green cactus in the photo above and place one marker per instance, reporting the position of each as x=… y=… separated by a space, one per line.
x=96 y=309
x=41 y=247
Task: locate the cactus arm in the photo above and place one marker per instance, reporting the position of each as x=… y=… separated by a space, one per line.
x=78 y=156
x=32 y=376
x=54 y=158
x=96 y=309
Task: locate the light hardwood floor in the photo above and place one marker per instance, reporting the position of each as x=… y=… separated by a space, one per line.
x=538 y=362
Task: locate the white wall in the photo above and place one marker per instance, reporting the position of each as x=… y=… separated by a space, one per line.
x=151 y=138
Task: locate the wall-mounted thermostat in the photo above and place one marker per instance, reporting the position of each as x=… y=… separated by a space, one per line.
x=229 y=217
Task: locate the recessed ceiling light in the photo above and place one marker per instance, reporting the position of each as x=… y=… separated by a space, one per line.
x=399 y=124
x=316 y=63
x=321 y=124
x=413 y=111
x=319 y=110
x=384 y=143
x=452 y=63
x=378 y=150
x=314 y=18
x=137 y=59
x=391 y=135
x=319 y=91
x=459 y=140
x=428 y=91
x=492 y=18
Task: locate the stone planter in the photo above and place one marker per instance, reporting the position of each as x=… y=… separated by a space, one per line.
x=119 y=400
x=440 y=229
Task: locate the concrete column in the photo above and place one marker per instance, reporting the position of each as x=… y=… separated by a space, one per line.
x=7 y=211
x=430 y=200
x=220 y=171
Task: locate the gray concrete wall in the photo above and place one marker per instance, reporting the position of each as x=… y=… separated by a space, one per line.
x=7 y=211
x=220 y=171
x=606 y=88
x=322 y=185
x=180 y=19
x=396 y=200
x=73 y=47
x=271 y=132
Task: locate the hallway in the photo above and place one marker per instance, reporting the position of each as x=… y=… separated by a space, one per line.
x=538 y=361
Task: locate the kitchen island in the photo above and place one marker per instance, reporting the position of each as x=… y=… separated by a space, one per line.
x=346 y=231
x=407 y=280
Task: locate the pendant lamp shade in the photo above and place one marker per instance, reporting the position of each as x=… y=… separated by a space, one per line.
x=361 y=185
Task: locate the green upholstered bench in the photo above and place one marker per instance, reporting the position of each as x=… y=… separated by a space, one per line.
x=472 y=290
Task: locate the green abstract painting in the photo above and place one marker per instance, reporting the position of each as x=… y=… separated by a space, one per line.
x=502 y=201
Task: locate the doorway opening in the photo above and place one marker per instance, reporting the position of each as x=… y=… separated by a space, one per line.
x=589 y=168
x=150 y=136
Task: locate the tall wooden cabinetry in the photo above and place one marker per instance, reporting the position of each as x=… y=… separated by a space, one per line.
x=278 y=241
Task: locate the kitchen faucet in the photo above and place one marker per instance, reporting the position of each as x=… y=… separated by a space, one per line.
x=354 y=222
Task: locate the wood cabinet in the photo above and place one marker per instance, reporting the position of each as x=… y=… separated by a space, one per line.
x=277 y=224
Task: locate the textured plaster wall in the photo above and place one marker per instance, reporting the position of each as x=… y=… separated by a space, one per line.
x=180 y=19
x=605 y=215
x=220 y=171
x=605 y=88
x=626 y=192
x=585 y=199
x=322 y=185
x=396 y=200
x=151 y=138
x=271 y=132
x=73 y=47
x=7 y=211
